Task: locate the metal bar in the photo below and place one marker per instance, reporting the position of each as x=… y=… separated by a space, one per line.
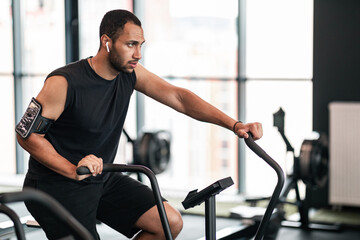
x=19 y=230
x=210 y=218
x=51 y=205
x=72 y=30
x=17 y=49
x=277 y=191
x=279 y=79
x=22 y=74
x=241 y=29
x=193 y=78
x=107 y=167
x=139 y=11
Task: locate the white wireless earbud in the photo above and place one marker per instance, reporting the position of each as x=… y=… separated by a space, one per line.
x=107 y=46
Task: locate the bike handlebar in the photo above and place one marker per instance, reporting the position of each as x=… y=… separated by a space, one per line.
x=112 y=167
x=276 y=193
x=107 y=167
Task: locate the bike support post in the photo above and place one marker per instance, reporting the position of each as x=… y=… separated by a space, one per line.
x=210 y=220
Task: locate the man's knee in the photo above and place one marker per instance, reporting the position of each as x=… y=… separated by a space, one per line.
x=150 y=223
x=175 y=219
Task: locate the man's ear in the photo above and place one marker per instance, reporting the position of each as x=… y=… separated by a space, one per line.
x=106 y=42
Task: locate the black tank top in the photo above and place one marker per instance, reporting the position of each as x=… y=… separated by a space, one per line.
x=92 y=120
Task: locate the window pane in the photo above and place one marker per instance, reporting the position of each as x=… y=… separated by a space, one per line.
x=6 y=60
x=7 y=120
x=43 y=36
x=295 y=98
x=191 y=38
x=279 y=38
x=200 y=152
x=90 y=14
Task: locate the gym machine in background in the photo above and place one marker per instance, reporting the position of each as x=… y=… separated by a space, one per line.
x=151 y=149
x=312 y=168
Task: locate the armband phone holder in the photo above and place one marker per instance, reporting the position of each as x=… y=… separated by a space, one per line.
x=32 y=121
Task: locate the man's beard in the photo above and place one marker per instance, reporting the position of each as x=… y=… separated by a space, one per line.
x=115 y=62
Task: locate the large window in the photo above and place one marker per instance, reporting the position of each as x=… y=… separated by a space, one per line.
x=279 y=73
x=197 y=48
x=193 y=44
x=191 y=38
x=7 y=140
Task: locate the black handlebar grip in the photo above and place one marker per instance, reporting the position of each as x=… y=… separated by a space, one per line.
x=82 y=170
x=255 y=148
x=276 y=194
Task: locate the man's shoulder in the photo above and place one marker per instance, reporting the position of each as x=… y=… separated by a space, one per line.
x=69 y=69
x=78 y=65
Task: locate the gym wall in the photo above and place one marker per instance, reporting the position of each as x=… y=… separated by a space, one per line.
x=336 y=69
x=336 y=61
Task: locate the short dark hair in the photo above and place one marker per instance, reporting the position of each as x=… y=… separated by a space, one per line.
x=115 y=20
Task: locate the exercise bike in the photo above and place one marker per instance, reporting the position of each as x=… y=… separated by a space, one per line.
x=196 y=198
x=208 y=194
x=49 y=204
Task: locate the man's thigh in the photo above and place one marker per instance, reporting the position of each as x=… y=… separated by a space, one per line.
x=123 y=202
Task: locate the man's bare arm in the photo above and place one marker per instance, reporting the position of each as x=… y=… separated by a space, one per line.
x=52 y=97
x=187 y=102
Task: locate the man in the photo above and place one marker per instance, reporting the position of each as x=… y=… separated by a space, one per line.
x=83 y=108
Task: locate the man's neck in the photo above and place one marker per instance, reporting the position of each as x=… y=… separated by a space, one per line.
x=101 y=65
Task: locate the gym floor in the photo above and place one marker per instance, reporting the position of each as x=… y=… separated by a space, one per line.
x=194 y=228
x=194 y=223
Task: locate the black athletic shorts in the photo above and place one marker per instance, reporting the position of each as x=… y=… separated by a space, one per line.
x=118 y=202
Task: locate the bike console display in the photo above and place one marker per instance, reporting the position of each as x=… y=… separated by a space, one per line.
x=196 y=198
